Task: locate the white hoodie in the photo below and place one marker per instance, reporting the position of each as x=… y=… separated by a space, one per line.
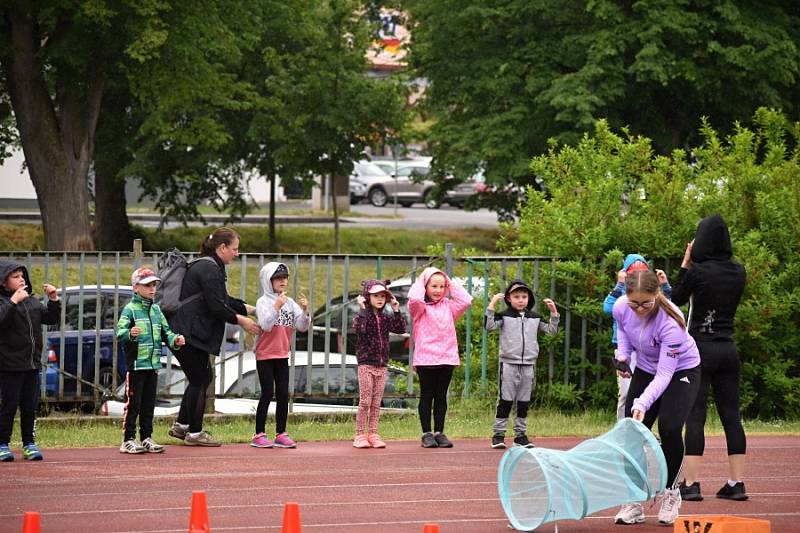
x=277 y=326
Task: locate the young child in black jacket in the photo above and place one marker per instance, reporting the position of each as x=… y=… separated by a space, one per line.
x=21 y=319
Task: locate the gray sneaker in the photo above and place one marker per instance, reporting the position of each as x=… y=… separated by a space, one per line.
x=178 y=431
x=200 y=439
x=151 y=446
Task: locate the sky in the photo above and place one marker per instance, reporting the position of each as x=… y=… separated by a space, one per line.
x=12 y=183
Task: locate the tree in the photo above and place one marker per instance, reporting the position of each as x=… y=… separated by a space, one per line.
x=507 y=75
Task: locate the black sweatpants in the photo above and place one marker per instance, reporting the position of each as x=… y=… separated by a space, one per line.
x=197 y=368
x=273 y=375
x=19 y=390
x=140 y=395
x=671 y=409
x=721 y=371
x=433 y=384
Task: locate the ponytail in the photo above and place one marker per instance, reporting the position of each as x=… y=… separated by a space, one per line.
x=646 y=281
x=663 y=303
x=210 y=243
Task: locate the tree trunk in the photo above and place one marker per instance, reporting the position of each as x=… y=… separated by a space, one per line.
x=335 y=215
x=273 y=239
x=57 y=140
x=112 y=227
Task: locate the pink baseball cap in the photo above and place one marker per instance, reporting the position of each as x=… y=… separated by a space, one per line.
x=143 y=276
x=378 y=288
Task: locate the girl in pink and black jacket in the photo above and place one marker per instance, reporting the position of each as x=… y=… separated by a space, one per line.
x=435 y=302
x=372 y=326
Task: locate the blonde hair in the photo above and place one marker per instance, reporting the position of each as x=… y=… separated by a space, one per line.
x=646 y=281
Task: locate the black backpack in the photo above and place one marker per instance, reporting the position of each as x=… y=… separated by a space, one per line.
x=172 y=267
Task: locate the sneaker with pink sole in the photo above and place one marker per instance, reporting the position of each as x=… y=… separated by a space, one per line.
x=283 y=440
x=375 y=441
x=360 y=442
x=260 y=440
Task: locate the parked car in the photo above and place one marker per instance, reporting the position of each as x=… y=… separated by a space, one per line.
x=459 y=195
x=408 y=185
x=364 y=172
x=240 y=390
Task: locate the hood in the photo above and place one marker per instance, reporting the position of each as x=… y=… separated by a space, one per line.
x=519 y=284
x=426 y=274
x=631 y=259
x=265 y=277
x=712 y=240
x=9 y=266
x=367 y=284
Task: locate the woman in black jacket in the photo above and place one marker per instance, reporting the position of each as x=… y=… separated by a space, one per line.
x=202 y=322
x=712 y=283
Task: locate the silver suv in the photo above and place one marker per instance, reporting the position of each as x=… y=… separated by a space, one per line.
x=407 y=185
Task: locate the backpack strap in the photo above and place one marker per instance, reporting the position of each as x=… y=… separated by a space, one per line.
x=196 y=295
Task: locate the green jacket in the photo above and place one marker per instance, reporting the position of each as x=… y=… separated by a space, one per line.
x=144 y=351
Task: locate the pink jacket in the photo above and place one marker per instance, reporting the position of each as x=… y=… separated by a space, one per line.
x=434 y=324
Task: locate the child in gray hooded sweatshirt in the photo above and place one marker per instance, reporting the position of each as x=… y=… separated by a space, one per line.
x=519 y=326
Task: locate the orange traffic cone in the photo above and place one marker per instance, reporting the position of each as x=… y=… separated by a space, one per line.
x=430 y=528
x=30 y=523
x=198 y=519
x=291 y=518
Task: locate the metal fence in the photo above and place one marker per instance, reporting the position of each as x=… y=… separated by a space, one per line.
x=95 y=287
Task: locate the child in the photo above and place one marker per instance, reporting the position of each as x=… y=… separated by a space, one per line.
x=632 y=263
x=142 y=327
x=519 y=349
x=21 y=319
x=372 y=327
x=434 y=316
x=278 y=316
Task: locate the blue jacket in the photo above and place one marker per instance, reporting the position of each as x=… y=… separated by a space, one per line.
x=619 y=290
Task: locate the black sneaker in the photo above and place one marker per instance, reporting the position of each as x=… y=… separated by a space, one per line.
x=522 y=440
x=428 y=441
x=691 y=493
x=443 y=441
x=499 y=441
x=737 y=492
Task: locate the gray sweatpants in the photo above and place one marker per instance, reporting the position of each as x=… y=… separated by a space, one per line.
x=516 y=387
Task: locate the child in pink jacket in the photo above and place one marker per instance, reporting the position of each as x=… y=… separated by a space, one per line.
x=435 y=302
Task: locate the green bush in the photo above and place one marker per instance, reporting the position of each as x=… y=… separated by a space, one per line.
x=612 y=194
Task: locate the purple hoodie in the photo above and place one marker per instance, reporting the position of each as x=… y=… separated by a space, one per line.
x=662 y=348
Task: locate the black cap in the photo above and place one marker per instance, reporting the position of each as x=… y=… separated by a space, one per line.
x=280 y=272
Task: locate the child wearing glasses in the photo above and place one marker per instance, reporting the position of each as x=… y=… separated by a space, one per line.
x=665 y=382
x=632 y=263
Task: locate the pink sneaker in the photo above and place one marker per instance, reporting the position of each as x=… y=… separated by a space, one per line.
x=284 y=441
x=361 y=442
x=375 y=441
x=260 y=440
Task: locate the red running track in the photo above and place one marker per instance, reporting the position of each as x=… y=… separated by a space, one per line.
x=340 y=488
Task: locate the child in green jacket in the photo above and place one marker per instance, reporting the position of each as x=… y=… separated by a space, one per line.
x=142 y=327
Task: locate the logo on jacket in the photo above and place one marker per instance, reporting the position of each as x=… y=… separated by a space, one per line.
x=685 y=379
x=285 y=318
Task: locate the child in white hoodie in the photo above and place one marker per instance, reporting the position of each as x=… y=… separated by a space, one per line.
x=279 y=316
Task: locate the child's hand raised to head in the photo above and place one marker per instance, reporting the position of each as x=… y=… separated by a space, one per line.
x=50 y=291
x=621 y=276
x=662 y=276
x=302 y=301
x=551 y=305
x=135 y=331
x=395 y=304
x=180 y=340
x=362 y=302
x=496 y=298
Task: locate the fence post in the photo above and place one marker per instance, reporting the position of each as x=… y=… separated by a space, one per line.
x=448 y=259
x=468 y=343
x=138 y=254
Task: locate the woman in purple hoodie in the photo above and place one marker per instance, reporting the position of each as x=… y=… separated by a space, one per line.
x=665 y=382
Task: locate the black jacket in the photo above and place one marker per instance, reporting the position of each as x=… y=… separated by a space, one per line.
x=713 y=284
x=21 y=324
x=202 y=321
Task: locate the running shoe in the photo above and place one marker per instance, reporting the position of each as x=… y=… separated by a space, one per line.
x=30 y=452
x=691 y=493
x=6 y=455
x=736 y=492
x=522 y=440
x=178 y=430
x=260 y=440
x=375 y=441
x=428 y=441
x=670 y=505
x=283 y=440
x=442 y=440
x=630 y=513
x=202 y=438
x=360 y=442
x=151 y=446
x=499 y=441
x=131 y=446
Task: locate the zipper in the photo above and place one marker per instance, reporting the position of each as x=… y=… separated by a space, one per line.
x=30 y=333
x=522 y=355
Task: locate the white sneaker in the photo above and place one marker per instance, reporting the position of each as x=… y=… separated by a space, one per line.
x=131 y=446
x=670 y=505
x=150 y=446
x=630 y=513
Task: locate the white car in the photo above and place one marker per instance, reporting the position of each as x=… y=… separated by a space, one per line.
x=240 y=378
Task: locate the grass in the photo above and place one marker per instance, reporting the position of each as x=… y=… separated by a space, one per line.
x=466 y=418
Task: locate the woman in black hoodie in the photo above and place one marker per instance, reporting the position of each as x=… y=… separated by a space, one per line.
x=712 y=283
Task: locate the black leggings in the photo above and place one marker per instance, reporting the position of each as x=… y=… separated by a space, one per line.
x=19 y=390
x=273 y=372
x=671 y=409
x=433 y=384
x=196 y=366
x=140 y=393
x=721 y=371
